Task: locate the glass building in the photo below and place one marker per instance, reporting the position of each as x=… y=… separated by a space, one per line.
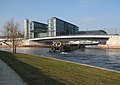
x=58 y=27
x=55 y=27
x=34 y=29
x=26 y=29
x=92 y=32
x=38 y=29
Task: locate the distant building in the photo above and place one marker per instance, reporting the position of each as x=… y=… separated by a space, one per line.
x=26 y=29
x=92 y=32
x=34 y=29
x=55 y=27
x=58 y=27
x=38 y=29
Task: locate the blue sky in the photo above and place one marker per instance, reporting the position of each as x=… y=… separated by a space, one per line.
x=87 y=14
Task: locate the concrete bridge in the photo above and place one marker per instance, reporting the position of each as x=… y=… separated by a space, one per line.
x=83 y=38
x=74 y=37
x=108 y=40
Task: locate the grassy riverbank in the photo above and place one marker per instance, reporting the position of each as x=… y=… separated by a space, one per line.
x=43 y=71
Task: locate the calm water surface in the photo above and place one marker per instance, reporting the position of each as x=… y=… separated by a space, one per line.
x=106 y=58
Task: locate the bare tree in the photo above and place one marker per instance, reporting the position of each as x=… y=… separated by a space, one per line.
x=11 y=31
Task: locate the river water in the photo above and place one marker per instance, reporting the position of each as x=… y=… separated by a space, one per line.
x=105 y=58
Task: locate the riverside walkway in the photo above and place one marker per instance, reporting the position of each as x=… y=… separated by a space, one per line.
x=8 y=76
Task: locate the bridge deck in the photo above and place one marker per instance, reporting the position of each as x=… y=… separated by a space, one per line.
x=76 y=37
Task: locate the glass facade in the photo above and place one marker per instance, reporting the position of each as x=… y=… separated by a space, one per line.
x=55 y=27
x=37 y=29
x=92 y=32
x=58 y=27
x=51 y=27
x=34 y=29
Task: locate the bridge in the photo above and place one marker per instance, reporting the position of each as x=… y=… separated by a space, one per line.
x=109 y=40
x=84 y=39
x=74 y=37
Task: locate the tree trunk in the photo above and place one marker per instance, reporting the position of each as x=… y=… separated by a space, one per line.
x=14 y=46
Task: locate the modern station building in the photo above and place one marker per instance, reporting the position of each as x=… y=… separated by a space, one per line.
x=26 y=29
x=54 y=27
x=34 y=29
x=58 y=27
x=92 y=32
x=38 y=29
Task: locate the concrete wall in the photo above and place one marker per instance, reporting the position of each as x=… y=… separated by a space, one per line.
x=29 y=42
x=26 y=42
x=113 y=41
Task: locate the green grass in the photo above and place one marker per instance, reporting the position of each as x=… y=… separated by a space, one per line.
x=44 y=71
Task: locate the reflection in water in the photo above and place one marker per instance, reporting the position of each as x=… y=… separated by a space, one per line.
x=106 y=58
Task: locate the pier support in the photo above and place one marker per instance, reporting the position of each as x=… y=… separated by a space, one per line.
x=113 y=42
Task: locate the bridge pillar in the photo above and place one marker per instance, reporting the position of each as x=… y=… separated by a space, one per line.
x=26 y=42
x=114 y=41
